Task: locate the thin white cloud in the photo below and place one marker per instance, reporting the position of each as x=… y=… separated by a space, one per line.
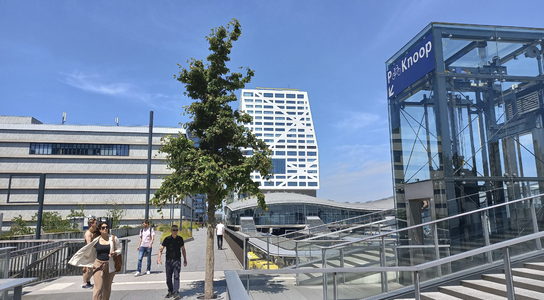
x=91 y=83
x=97 y=84
x=363 y=152
x=358 y=120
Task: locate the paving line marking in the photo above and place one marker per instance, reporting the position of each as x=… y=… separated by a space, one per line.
x=57 y=286
x=162 y=281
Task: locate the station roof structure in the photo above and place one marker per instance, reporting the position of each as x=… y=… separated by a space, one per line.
x=296 y=198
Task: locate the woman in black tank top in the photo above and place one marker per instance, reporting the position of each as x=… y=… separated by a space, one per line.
x=102 y=252
x=101 y=274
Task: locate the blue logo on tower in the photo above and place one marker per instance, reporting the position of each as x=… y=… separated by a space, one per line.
x=415 y=64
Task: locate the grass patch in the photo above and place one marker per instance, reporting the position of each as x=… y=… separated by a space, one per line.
x=185 y=231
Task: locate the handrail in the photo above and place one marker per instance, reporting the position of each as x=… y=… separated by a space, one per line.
x=372 y=220
x=434 y=222
x=344 y=220
x=40 y=248
x=52 y=256
x=419 y=267
x=16 y=285
x=235 y=286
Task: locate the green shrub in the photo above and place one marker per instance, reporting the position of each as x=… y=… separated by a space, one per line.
x=185 y=230
x=19 y=226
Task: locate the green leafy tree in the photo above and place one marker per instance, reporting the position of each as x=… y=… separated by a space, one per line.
x=211 y=161
x=19 y=226
x=52 y=222
x=76 y=214
x=116 y=212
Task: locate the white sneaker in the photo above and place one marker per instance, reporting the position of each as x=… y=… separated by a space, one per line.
x=136 y=274
x=148 y=273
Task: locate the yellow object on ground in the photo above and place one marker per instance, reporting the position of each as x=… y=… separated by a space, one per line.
x=256 y=263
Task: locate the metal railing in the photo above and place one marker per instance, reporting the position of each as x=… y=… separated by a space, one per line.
x=120 y=232
x=15 y=285
x=334 y=226
x=416 y=270
x=434 y=258
x=47 y=260
x=281 y=249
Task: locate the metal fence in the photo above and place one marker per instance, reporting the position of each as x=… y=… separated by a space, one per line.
x=430 y=261
x=46 y=259
x=237 y=243
x=120 y=232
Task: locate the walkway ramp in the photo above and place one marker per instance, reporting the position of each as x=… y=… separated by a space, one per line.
x=153 y=286
x=247 y=226
x=316 y=225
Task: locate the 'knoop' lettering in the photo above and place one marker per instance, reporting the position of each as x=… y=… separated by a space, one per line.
x=407 y=62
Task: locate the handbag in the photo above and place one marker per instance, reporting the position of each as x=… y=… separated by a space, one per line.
x=117 y=259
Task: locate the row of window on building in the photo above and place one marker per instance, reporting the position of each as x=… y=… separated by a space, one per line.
x=275 y=95
x=289 y=135
x=278 y=118
x=294 y=153
x=285 y=153
x=289 y=183
x=270 y=112
x=273 y=129
x=78 y=149
x=279 y=106
x=278 y=123
x=291 y=177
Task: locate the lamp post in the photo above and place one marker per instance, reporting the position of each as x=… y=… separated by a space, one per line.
x=192 y=212
x=181 y=214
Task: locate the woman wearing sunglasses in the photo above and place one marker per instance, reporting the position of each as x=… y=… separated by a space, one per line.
x=99 y=254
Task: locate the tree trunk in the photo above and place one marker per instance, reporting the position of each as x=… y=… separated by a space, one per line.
x=208 y=282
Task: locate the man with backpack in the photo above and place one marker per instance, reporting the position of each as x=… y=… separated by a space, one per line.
x=147 y=236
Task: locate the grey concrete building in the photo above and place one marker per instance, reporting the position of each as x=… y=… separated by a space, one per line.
x=85 y=165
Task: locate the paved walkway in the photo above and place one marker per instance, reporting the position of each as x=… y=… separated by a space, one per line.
x=153 y=286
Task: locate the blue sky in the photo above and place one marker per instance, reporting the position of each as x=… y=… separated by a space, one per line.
x=98 y=60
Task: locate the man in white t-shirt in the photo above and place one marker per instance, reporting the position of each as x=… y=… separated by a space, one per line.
x=147 y=236
x=219 y=231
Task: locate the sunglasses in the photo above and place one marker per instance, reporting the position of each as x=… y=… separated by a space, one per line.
x=173 y=230
x=104 y=227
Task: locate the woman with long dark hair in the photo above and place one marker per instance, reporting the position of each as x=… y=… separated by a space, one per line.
x=99 y=255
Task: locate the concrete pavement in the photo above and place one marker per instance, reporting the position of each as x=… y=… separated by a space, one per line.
x=153 y=286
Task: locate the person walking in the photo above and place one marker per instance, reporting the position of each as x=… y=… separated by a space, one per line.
x=99 y=254
x=147 y=236
x=90 y=235
x=174 y=246
x=219 y=231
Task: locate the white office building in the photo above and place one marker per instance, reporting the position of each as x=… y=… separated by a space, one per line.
x=86 y=166
x=283 y=119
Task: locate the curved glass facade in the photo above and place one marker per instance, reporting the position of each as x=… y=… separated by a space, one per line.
x=292 y=214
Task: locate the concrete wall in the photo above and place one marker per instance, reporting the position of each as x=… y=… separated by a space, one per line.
x=93 y=182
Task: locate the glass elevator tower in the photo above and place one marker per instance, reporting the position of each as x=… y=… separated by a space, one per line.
x=466 y=128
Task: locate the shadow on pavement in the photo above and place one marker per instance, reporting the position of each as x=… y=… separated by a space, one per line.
x=197 y=288
x=264 y=284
